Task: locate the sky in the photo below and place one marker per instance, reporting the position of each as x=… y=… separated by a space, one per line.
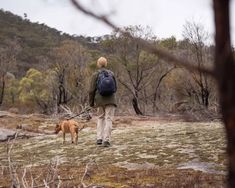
x=165 y=17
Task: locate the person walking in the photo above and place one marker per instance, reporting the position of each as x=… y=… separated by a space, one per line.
x=102 y=96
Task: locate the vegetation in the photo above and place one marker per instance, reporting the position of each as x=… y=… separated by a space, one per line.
x=42 y=68
x=49 y=68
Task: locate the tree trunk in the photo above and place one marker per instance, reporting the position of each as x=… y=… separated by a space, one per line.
x=62 y=95
x=55 y=103
x=205 y=97
x=136 y=106
x=207 y=94
x=12 y=98
x=2 y=91
x=225 y=71
x=155 y=94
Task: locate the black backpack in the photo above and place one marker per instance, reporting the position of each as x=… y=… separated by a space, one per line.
x=106 y=84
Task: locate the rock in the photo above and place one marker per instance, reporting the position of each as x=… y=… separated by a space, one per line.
x=4 y=114
x=150 y=186
x=24 y=127
x=13 y=110
x=46 y=132
x=6 y=134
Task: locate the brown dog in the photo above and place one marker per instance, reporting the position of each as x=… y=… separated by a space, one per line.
x=68 y=126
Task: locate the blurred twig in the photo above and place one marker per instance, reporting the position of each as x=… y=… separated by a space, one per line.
x=149 y=47
x=12 y=169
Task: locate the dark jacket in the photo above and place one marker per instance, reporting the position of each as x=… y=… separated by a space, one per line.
x=95 y=99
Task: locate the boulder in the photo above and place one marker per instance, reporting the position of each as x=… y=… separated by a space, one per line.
x=6 y=134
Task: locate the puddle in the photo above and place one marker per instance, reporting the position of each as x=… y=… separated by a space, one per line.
x=201 y=166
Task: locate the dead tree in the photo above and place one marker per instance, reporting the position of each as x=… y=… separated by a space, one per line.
x=196 y=34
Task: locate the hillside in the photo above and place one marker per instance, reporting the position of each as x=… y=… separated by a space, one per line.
x=34 y=40
x=53 y=65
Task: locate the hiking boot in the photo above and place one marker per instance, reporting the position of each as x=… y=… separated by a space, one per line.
x=106 y=144
x=99 y=142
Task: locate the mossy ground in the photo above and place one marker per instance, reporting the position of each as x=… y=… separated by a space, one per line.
x=148 y=153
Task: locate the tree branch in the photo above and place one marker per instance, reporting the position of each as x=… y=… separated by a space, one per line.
x=149 y=47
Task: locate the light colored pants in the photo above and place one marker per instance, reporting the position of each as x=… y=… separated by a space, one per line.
x=105 y=121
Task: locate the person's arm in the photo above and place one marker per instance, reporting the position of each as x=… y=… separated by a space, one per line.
x=92 y=89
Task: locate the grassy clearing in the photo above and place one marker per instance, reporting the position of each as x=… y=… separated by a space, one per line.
x=143 y=154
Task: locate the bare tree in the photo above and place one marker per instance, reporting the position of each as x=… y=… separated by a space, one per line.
x=70 y=67
x=137 y=67
x=156 y=86
x=197 y=36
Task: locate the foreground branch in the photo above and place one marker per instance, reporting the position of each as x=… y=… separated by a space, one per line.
x=147 y=46
x=225 y=71
x=12 y=169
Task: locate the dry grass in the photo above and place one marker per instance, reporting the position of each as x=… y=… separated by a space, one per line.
x=148 y=152
x=112 y=176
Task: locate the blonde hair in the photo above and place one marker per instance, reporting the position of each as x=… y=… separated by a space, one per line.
x=102 y=62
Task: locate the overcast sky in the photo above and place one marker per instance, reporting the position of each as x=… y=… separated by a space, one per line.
x=165 y=17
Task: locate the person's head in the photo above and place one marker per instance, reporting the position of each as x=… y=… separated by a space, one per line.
x=102 y=62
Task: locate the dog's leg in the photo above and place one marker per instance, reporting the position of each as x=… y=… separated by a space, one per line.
x=72 y=137
x=63 y=137
x=76 y=138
